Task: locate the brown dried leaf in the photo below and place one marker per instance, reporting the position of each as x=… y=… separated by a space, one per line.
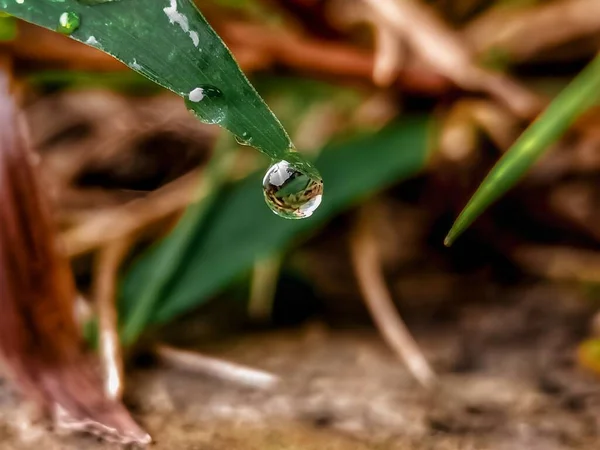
x=39 y=338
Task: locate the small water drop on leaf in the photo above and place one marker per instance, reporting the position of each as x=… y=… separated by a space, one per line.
x=290 y=192
x=244 y=139
x=205 y=91
x=68 y=22
x=208 y=103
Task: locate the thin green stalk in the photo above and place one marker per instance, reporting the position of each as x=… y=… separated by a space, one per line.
x=574 y=100
x=173 y=252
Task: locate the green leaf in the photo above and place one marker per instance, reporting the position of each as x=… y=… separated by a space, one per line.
x=171 y=43
x=241 y=229
x=175 y=246
x=574 y=100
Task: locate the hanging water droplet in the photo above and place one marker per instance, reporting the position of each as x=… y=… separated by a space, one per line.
x=68 y=22
x=291 y=193
x=208 y=103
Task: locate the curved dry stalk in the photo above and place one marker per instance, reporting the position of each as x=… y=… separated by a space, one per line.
x=111 y=357
x=107 y=226
x=459 y=133
x=522 y=32
x=389 y=51
x=216 y=368
x=389 y=55
x=369 y=274
x=443 y=50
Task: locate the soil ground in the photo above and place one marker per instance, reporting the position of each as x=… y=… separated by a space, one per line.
x=508 y=380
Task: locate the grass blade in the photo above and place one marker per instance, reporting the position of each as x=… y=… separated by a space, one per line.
x=573 y=101
x=169 y=42
x=176 y=244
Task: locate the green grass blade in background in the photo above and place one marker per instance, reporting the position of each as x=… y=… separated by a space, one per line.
x=574 y=100
x=171 y=43
x=241 y=228
x=175 y=246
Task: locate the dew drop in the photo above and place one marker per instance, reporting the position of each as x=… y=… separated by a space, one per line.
x=208 y=103
x=208 y=91
x=68 y=22
x=244 y=138
x=290 y=192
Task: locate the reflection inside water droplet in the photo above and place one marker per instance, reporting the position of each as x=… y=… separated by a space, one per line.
x=68 y=22
x=291 y=193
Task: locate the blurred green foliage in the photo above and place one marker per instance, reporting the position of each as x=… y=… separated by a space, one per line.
x=582 y=93
x=240 y=228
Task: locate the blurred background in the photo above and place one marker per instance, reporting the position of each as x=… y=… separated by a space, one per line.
x=381 y=337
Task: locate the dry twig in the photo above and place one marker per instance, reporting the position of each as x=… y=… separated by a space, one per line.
x=216 y=368
x=368 y=270
x=523 y=32
x=105 y=280
x=443 y=50
x=132 y=217
x=458 y=139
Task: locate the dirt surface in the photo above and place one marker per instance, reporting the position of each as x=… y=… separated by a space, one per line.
x=508 y=380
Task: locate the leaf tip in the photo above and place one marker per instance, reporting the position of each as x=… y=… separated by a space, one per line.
x=448 y=240
x=457 y=229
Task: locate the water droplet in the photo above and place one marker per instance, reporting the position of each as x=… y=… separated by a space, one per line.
x=244 y=139
x=68 y=22
x=290 y=192
x=208 y=103
x=134 y=65
x=196 y=94
x=92 y=41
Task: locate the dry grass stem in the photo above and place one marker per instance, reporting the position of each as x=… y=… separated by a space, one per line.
x=111 y=358
x=388 y=55
x=523 y=32
x=443 y=50
x=107 y=226
x=367 y=267
x=216 y=368
x=459 y=134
